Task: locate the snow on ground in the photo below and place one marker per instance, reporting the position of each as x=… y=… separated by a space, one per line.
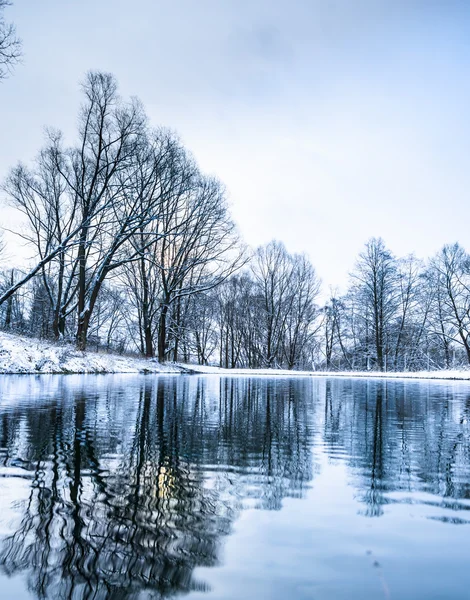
x=454 y=374
x=28 y=355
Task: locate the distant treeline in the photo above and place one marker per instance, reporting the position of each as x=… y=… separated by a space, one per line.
x=136 y=251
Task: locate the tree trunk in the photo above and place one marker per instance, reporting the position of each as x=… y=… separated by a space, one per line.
x=178 y=323
x=82 y=331
x=162 y=333
x=58 y=326
x=83 y=320
x=148 y=337
x=9 y=309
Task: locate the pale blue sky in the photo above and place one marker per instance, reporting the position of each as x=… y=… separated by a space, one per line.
x=328 y=121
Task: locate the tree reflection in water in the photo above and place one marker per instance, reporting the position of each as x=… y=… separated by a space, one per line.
x=132 y=487
x=400 y=437
x=132 y=483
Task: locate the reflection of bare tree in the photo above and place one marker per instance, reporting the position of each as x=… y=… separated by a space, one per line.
x=333 y=413
x=400 y=437
x=266 y=432
x=91 y=533
x=131 y=491
x=374 y=498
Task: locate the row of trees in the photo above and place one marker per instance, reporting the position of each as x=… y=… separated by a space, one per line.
x=397 y=314
x=265 y=316
x=401 y=313
x=135 y=250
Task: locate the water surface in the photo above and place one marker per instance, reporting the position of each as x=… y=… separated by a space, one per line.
x=152 y=486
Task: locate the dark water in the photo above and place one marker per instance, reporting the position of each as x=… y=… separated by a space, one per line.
x=147 y=487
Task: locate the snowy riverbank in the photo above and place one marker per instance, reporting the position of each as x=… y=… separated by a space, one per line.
x=28 y=355
x=453 y=375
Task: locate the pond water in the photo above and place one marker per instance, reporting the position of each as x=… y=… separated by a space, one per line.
x=151 y=486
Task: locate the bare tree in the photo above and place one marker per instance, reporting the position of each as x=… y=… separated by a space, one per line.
x=113 y=186
x=452 y=276
x=144 y=277
x=408 y=280
x=199 y=331
x=238 y=323
x=376 y=277
x=338 y=327
x=272 y=270
x=97 y=172
x=107 y=326
x=141 y=279
x=434 y=336
x=202 y=250
x=10 y=44
x=12 y=312
x=51 y=215
x=302 y=311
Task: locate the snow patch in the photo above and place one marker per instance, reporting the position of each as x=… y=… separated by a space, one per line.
x=27 y=355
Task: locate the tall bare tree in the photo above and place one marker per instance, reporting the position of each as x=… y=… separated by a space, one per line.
x=50 y=212
x=407 y=331
x=452 y=275
x=175 y=177
x=302 y=312
x=202 y=249
x=375 y=275
x=272 y=270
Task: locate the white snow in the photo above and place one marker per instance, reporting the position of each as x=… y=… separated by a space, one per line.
x=451 y=374
x=28 y=355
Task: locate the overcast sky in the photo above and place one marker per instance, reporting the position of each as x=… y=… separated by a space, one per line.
x=329 y=121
